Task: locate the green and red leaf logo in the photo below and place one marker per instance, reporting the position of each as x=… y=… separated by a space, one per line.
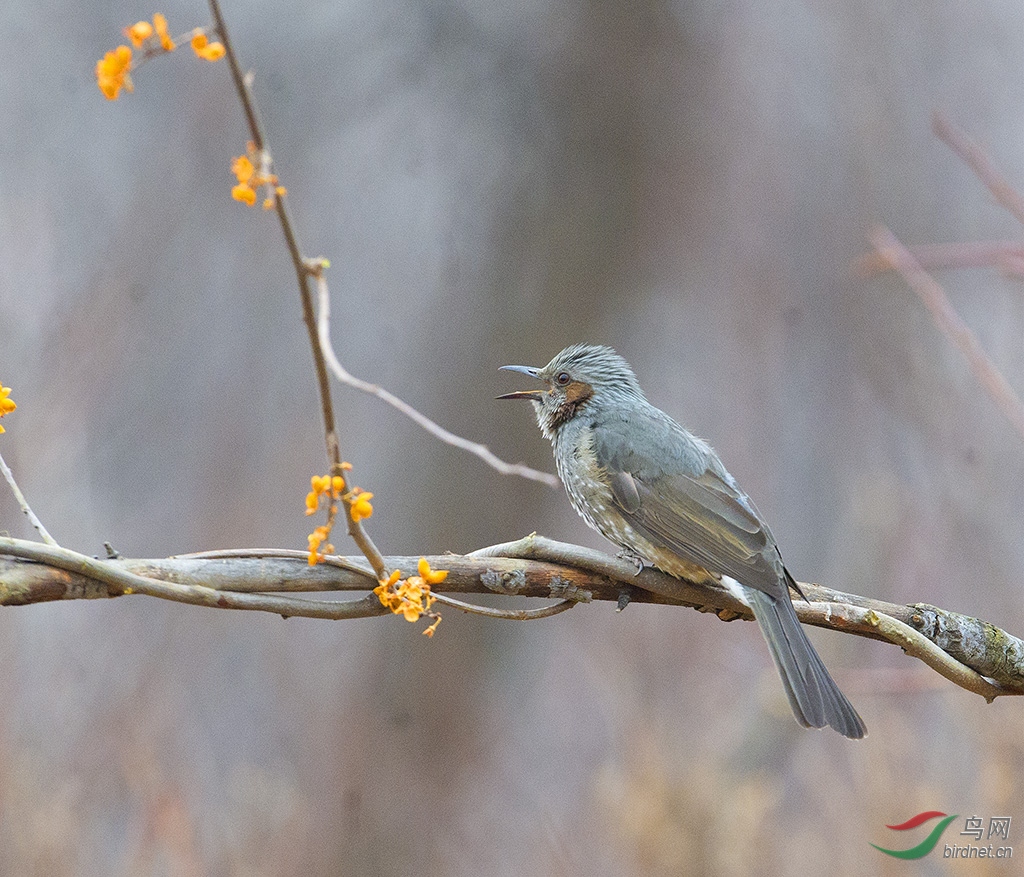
x=928 y=844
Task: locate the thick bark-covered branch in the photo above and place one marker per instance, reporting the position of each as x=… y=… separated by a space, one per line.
x=972 y=653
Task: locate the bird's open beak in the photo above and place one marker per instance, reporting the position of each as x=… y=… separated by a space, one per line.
x=523 y=394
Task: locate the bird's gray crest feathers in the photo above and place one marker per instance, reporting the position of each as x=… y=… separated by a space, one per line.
x=599 y=366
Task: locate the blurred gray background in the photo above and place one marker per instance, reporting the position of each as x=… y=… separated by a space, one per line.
x=688 y=182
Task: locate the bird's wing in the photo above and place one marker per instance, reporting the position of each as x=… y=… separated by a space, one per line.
x=678 y=495
x=684 y=500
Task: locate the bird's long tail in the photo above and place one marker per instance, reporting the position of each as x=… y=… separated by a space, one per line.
x=813 y=694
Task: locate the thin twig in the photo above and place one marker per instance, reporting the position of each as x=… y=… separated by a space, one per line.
x=975 y=157
x=888 y=247
x=319 y=338
x=277 y=553
x=508 y=614
x=281 y=208
x=343 y=375
x=305 y=268
x=23 y=503
x=244 y=98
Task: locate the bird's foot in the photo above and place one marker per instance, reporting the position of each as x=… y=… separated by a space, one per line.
x=634 y=559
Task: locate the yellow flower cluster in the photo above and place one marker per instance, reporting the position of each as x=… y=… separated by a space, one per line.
x=112 y=72
x=206 y=50
x=361 y=507
x=250 y=180
x=332 y=488
x=411 y=597
x=7 y=405
x=113 y=69
x=151 y=37
x=317 y=538
x=324 y=486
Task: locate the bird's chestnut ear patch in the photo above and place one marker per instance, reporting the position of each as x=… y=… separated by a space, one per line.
x=568 y=401
x=578 y=391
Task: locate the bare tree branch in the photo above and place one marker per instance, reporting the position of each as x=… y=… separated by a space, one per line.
x=971 y=653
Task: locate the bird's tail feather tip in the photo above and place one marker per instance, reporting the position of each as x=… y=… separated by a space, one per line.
x=815 y=698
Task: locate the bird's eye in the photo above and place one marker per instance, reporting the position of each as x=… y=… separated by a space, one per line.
x=563 y=378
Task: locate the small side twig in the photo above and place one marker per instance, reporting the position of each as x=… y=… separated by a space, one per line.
x=343 y=375
x=889 y=248
x=509 y=614
x=23 y=503
x=1006 y=256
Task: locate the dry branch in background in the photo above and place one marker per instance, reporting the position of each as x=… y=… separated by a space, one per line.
x=1006 y=256
x=911 y=263
x=972 y=653
x=977 y=160
x=985 y=371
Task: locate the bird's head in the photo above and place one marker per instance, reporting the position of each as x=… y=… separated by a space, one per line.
x=579 y=378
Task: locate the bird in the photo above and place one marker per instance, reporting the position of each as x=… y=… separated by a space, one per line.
x=664 y=497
